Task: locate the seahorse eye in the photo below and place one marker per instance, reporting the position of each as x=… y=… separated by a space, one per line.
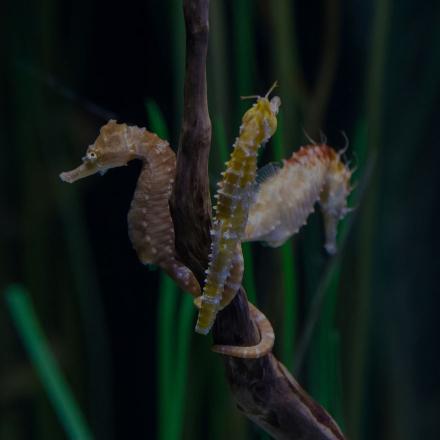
x=91 y=155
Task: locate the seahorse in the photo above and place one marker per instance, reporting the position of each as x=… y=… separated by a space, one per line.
x=150 y=225
x=287 y=196
x=233 y=200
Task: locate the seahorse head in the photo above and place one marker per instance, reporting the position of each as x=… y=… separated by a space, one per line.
x=262 y=116
x=111 y=149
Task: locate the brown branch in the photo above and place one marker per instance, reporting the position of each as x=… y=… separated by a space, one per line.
x=263 y=388
x=191 y=203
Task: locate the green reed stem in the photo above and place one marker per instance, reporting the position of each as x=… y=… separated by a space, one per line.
x=184 y=329
x=288 y=265
x=336 y=390
x=172 y=367
x=243 y=19
x=322 y=358
x=166 y=308
x=166 y=369
x=45 y=364
x=178 y=61
x=220 y=140
x=374 y=103
x=218 y=64
x=286 y=66
x=156 y=121
x=355 y=201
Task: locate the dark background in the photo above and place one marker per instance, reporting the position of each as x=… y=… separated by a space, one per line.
x=369 y=69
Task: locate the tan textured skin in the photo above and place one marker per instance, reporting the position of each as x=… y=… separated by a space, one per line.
x=233 y=199
x=265 y=345
x=150 y=226
x=285 y=200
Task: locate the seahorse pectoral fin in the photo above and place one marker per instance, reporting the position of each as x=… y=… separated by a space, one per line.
x=84 y=170
x=266 y=172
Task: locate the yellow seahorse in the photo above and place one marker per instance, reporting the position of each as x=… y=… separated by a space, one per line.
x=233 y=200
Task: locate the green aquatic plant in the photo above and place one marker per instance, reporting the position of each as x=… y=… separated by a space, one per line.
x=172 y=363
x=45 y=364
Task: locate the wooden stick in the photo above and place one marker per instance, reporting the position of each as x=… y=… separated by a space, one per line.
x=263 y=388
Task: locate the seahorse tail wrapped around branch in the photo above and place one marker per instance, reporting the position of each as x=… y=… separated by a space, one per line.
x=150 y=226
x=287 y=197
x=267 y=339
x=233 y=200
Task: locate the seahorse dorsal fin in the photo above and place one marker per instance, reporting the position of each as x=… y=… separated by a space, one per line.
x=267 y=171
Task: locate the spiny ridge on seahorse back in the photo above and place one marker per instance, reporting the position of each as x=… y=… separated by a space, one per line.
x=150 y=226
x=285 y=200
x=233 y=200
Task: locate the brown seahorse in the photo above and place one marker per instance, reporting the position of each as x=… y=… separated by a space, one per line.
x=150 y=225
x=233 y=200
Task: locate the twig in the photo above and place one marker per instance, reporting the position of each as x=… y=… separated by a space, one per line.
x=318 y=299
x=263 y=388
x=191 y=204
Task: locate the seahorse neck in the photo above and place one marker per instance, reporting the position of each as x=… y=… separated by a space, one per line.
x=145 y=145
x=150 y=233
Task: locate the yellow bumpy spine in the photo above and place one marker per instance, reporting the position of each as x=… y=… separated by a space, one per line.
x=233 y=201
